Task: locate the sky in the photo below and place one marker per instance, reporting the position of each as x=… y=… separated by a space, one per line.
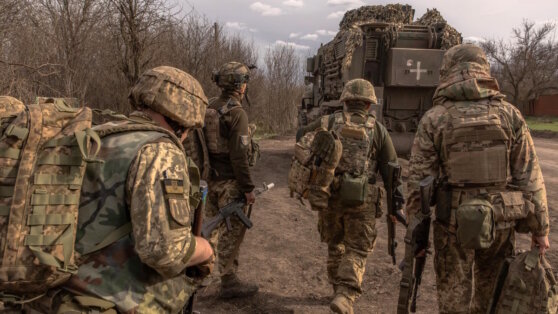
x=304 y=24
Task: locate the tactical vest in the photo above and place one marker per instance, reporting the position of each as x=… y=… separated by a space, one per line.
x=357 y=145
x=104 y=227
x=476 y=145
x=215 y=131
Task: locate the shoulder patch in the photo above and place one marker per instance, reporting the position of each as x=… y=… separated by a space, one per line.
x=245 y=140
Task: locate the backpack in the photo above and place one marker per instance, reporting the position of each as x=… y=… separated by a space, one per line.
x=526 y=284
x=316 y=155
x=475 y=148
x=215 y=134
x=354 y=166
x=43 y=153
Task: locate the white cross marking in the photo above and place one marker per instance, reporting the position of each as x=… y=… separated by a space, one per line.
x=418 y=71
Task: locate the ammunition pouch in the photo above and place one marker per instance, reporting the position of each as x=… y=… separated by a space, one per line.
x=475 y=224
x=353 y=189
x=510 y=206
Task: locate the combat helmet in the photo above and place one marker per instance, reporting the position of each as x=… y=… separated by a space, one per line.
x=464 y=53
x=173 y=93
x=359 y=90
x=231 y=75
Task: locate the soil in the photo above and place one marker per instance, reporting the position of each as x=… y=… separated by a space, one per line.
x=283 y=254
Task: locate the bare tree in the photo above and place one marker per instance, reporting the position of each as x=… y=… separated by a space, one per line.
x=137 y=27
x=526 y=66
x=283 y=88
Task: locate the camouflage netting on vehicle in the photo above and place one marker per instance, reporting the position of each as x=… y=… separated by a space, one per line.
x=350 y=33
x=391 y=13
x=450 y=36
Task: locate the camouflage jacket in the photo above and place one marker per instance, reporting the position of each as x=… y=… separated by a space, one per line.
x=384 y=151
x=143 y=183
x=235 y=164
x=426 y=152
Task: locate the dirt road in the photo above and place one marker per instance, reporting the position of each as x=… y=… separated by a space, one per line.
x=283 y=255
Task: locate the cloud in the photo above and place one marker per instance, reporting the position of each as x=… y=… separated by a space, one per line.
x=473 y=40
x=291 y=44
x=265 y=9
x=294 y=3
x=336 y=15
x=323 y=32
x=350 y=3
x=294 y=35
x=310 y=37
x=240 y=26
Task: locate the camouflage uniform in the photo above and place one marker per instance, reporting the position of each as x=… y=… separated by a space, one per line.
x=350 y=232
x=465 y=278
x=138 y=202
x=229 y=158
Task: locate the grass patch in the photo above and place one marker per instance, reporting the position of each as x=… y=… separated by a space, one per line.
x=542 y=123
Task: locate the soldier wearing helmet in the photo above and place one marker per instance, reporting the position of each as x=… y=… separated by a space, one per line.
x=229 y=143
x=134 y=229
x=479 y=149
x=347 y=223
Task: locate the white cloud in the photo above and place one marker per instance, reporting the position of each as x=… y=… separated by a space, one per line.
x=291 y=44
x=265 y=9
x=336 y=15
x=323 y=32
x=310 y=37
x=236 y=25
x=294 y=3
x=240 y=26
x=294 y=35
x=473 y=40
x=351 y=3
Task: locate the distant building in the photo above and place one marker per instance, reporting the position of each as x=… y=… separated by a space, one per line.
x=545 y=105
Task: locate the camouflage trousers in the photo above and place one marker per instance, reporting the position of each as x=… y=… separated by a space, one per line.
x=465 y=278
x=350 y=237
x=226 y=243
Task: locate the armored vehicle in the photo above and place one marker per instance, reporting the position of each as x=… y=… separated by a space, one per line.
x=401 y=58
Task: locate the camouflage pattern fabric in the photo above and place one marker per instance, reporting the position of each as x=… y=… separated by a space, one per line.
x=450 y=36
x=144 y=178
x=173 y=93
x=350 y=234
x=225 y=242
x=468 y=80
x=359 y=90
x=10 y=107
x=465 y=279
x=231 y=75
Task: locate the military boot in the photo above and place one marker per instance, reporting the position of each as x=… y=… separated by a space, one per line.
x=232 y=287
x=341 y=304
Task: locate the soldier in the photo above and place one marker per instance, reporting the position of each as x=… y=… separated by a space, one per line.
x=134 y=232
x=346 y=225
x=229 y=143
x=481 y=152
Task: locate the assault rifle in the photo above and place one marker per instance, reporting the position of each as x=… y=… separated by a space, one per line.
x=416 y=249
x=233 y=208
x=394 y=205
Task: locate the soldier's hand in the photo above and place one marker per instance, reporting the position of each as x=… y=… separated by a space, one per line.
x=202 y=270
x=250 y=198
x=541 y=242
